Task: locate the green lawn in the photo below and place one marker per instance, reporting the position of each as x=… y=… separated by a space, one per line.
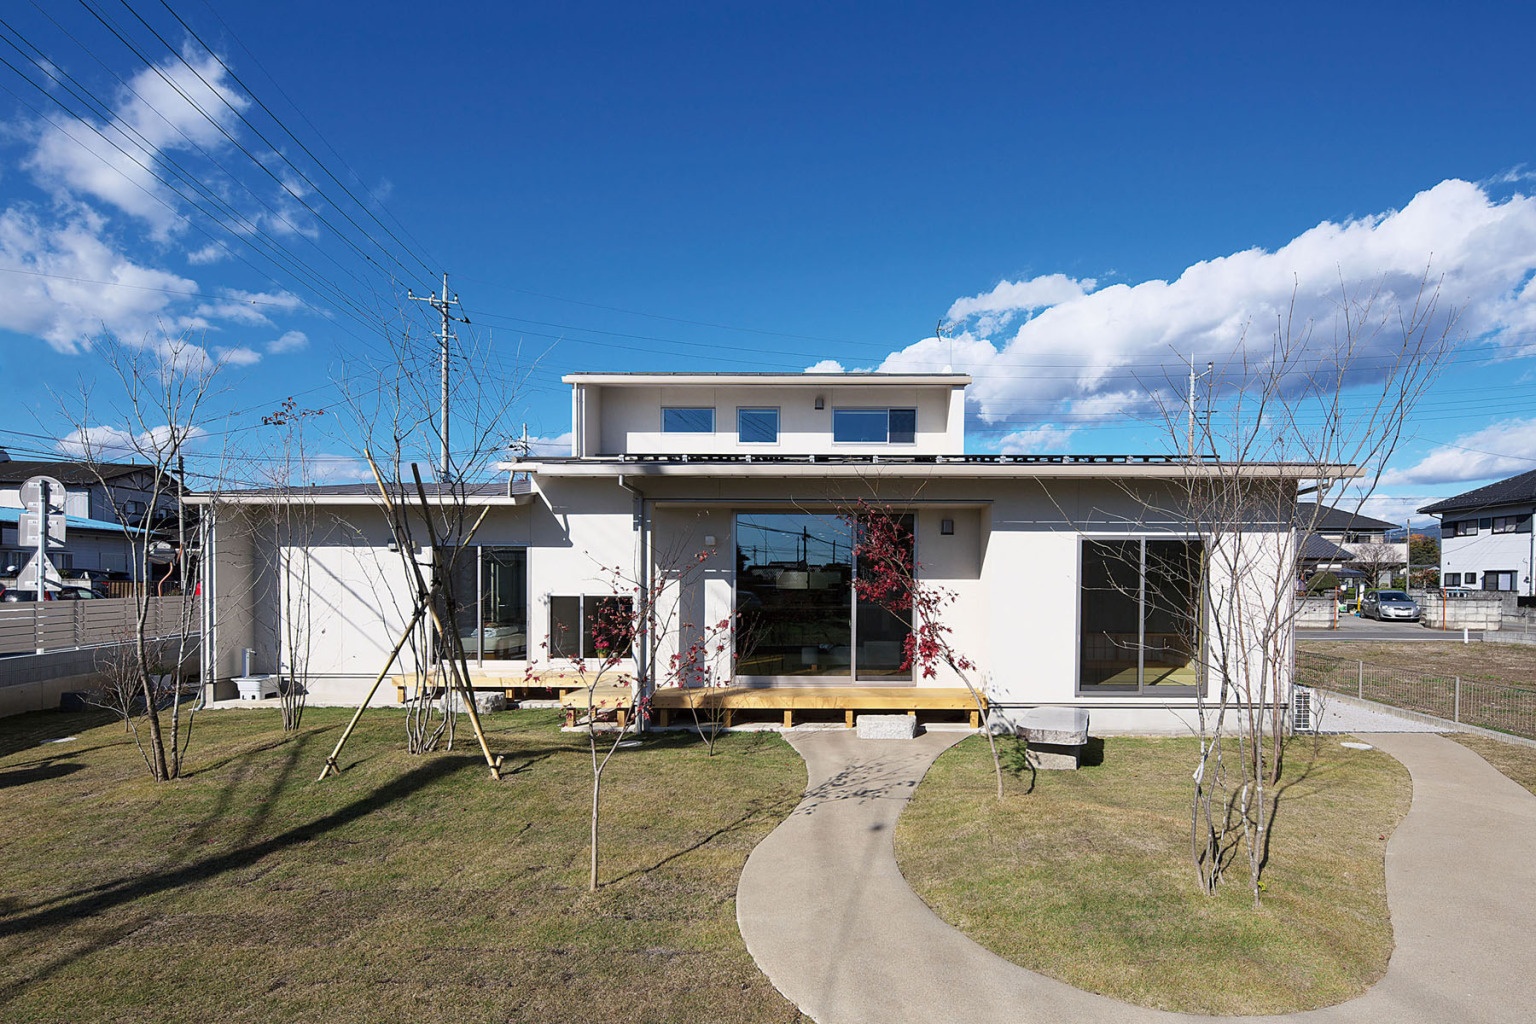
x=1088 y=879
x=408 y=888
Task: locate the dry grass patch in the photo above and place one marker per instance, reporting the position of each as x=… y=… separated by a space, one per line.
x=1515 y=761
x=1087 y=878
x=408 y=888
x=1514 y=664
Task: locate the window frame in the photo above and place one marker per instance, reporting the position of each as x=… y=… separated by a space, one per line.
x=1505 y=524
x=476 y=602
x=668 y=410
x=585 y=610
x=889 y=433
x=1142 y=689
x=742 y=410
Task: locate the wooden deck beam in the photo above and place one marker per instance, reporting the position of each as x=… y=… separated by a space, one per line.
x=726 y=700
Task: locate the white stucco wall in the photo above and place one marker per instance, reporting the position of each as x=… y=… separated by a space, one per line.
x=628 y=419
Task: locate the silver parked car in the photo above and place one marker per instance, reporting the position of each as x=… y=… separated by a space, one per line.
x=1389 y=604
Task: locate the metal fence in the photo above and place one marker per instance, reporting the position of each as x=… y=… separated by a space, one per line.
x=29 y=627
x=1465 y=700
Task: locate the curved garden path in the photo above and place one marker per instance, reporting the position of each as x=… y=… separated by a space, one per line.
x=830 y=920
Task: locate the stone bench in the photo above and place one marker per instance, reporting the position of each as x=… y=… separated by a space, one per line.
x=1056 y=736
x=887 y=727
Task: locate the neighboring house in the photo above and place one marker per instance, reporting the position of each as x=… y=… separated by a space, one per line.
x=1335 y=538
x=1070 y=574
x=1485 y=536
x=103 y=498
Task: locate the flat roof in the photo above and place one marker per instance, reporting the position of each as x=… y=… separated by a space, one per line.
x=1019 y=467
x=775 y=379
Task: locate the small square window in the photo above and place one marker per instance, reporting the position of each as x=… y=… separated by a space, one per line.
x=1471 y=579
x=903 y=426
x=688 y=420
x=1452 y=579
x=757 y=426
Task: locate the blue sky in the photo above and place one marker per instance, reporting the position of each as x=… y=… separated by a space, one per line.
x=1084 y=195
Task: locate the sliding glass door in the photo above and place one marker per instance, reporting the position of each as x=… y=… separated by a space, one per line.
x=798 y=615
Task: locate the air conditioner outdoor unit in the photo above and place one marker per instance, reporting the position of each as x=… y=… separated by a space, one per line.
x=1301 y=711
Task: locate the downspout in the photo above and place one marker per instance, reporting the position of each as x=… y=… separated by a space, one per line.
x=207 y=641
x=641 y=525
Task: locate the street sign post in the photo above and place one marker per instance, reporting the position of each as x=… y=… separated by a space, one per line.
x=42 y=526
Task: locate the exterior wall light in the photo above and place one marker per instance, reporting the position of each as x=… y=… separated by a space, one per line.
x=947 y=527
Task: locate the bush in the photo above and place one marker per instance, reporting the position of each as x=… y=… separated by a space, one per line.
x=1322 y=583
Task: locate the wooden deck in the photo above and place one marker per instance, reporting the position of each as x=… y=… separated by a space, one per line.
x=728 y=700
x=517 y=687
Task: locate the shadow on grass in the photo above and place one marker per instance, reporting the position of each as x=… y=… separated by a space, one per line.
x=108 y=895
x=38 y=773
x=31 y=730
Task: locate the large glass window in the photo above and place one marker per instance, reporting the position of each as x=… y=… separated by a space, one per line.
x=874 y=426
x=1139 y=615
x=490 y=587
x=798 y=614
x=757 y=426
x=678 y=420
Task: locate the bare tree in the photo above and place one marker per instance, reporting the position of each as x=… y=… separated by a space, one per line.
x=1317 y=410
x=1375 y=560
x=165 y=390
x=399 y=423
x=294 y=522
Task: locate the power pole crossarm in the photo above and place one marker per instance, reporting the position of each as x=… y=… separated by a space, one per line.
x=444 y=306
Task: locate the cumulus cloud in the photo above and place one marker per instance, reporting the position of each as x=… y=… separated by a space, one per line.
x=66 y=284
x=826 y=366
x=291 y=341
x=175 y=106
x=1046 y=439
x=558 y=445
x=1502 y=449
x=994 y=310
x=1083 y=345
x=240 y=356
x=115 y=444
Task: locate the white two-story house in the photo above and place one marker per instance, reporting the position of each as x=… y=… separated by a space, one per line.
x=1486 y=541
x=1070 y=580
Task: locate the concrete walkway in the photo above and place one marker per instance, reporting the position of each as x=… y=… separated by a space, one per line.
x=833 y=924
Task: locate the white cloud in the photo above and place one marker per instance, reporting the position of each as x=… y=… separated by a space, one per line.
x=558 y=445
x=241 y=356
x=68 y=284
x=291 y=341
x=114 y=444
x=1046 y=439
x=1022 y=296
x=1085 y=345
x=241 y=307
x=1502 y=449
x=173 y=107
x=826 y=366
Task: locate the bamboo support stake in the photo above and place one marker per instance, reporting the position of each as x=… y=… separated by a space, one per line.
x=330 y=762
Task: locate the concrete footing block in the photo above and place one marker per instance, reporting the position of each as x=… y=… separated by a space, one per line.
x=887 y=727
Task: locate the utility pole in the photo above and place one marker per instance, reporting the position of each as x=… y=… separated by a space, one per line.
x=1209 y=368
x=443 y=304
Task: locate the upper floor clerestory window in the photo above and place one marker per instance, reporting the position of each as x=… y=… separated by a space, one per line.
x=688 y=420
x=757 y=426
x=874 y=426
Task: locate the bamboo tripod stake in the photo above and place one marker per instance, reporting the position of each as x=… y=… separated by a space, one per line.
x=425 y=604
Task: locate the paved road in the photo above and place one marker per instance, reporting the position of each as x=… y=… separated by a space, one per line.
x=830 y=920
x=1352 y=628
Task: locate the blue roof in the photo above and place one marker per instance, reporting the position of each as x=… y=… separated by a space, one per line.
x=12 y=516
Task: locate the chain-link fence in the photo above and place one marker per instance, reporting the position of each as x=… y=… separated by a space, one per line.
x=1462 y=699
